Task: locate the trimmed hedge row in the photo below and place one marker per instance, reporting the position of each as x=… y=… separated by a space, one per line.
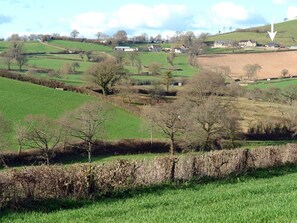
x=95 y=180
x=44 y=82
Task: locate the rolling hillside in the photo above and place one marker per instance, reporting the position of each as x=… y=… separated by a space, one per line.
x=19 y=99
x=287 y=34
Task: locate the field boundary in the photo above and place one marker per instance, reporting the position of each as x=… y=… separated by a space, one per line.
x=96 y=180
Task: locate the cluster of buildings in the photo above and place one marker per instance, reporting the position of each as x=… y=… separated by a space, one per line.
x=152 y=48
x=242 y=44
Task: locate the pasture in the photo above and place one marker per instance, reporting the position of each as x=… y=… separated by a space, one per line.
x=71 y=45
x=32 y=47
x=279 y=83
x=19 y=99
x=263 y=196
x=272 y=63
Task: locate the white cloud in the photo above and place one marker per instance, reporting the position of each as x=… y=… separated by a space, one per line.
x=281 y=1
x=163 y=18
x=229 y=12
x=292 y=12
x=131 y=17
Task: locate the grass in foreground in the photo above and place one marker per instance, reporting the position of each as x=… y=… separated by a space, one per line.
x=264 y=196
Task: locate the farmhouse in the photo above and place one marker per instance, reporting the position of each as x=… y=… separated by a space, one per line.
x=125 y=48
x=223 y=43
x=179 y=50
x=273 y=45
x=247 y=43
x=155 y=48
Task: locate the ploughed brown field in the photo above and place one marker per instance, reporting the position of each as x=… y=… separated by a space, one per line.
x=272 y=63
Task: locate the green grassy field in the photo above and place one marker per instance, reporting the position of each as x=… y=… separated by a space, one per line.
x=57 y=61
x=286 y=30
x=281 y=83
x=264 y=196
x=71 y=45
x=19 y=99
x=31 y=47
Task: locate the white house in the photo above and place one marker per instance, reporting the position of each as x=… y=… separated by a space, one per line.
x=247 y=43
x=155 y=48
x=223 y=43
x=125 y=48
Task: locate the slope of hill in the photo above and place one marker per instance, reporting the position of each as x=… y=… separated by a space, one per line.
x=72 y=45
x=19 y=99
x=286 y=34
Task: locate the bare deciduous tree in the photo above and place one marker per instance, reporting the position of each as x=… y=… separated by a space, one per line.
x=87 y=123
x=119 y=56
x=251 y=70
x=133 y=57
x=120 y=36
x=207 y=123
x=167 y=79
x=205 y=84
x=127 y=90
x=15 y=52
x=170 y=58
x=284 y=72
x=290 y=94
x=155 y=68
x=42 y=133
x=105 y=74
x=75 y=65
x=20 y=136
x=169 y=118
x=21 y=61
x=74 y=33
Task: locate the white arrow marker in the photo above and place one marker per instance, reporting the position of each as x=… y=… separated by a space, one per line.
x=272 y=33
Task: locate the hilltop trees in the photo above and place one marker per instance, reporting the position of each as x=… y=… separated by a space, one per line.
x=74 y=33
x=120 y=36
x=105 y=74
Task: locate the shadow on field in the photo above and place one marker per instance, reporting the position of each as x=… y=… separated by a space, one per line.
x=49 y=206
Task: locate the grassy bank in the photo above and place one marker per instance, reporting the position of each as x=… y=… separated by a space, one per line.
x=263 y=196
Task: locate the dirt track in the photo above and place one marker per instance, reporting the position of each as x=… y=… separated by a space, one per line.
x=271 y=63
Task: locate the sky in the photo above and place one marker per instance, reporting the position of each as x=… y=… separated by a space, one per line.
x=153 y=17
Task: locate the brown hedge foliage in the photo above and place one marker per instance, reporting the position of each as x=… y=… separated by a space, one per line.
x=93 y=180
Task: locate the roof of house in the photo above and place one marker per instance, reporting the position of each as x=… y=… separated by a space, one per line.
x=249 y=40
x=122 y=47
x=223 y=42
x=273 y=44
